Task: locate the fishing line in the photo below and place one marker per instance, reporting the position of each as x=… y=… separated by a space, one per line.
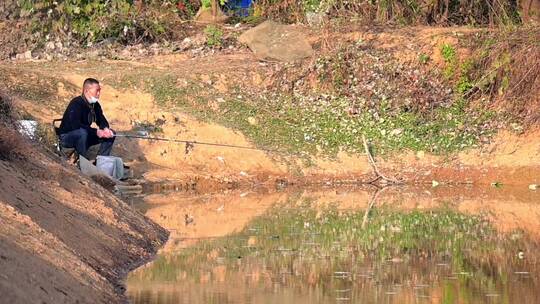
x=194 y=142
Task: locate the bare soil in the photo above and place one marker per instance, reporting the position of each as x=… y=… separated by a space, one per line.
x=64 y=239
x=510 y=158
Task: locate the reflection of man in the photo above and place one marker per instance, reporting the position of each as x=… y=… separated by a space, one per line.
x=75 y=129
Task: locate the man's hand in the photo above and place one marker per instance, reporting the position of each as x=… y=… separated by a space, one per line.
x=105 y=133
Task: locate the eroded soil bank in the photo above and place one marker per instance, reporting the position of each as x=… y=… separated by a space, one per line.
x=508 y=157
x=63 y=238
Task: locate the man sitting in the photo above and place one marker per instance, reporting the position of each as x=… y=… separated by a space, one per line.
x=75 y=129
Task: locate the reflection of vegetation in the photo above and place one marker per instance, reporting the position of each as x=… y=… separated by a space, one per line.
x=313 y=245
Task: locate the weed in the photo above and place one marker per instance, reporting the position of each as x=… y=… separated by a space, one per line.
x=152 y=127
x=214 y=36
x=467 y=12
x=90 y=21
x=464 y=85
x=448 y=53
x=304 y=124
x=423 y=58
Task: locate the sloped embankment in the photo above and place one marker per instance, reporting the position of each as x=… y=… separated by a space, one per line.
x=64 y=239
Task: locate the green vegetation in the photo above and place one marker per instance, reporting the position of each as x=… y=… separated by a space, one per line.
x=208 y=3
x=423 y=58
x=214 y=36
x=91 y=21
x=448 y=52
x=470 y=12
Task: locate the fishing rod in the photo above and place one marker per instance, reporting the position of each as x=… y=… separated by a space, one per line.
x=190 y=143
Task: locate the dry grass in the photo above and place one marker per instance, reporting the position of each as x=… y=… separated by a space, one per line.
x=440 y=12
x=12 y=145
x=6 y=109
x=509 y=73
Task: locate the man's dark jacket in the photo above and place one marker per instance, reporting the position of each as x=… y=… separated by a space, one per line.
x=80 y=114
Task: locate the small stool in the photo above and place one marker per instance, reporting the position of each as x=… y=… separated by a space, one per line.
x=68 y=154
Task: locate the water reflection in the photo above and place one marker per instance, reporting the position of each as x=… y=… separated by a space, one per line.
x=416 y=245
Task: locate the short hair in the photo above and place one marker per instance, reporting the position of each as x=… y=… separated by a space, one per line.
x=89 y=81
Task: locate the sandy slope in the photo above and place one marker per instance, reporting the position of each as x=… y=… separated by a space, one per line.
x=63 y=239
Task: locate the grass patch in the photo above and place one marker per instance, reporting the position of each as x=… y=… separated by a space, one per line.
x=304 y=125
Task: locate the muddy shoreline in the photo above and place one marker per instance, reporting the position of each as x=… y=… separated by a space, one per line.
x=124 y=272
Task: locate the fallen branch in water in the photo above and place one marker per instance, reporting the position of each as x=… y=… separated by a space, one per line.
x=371 y=161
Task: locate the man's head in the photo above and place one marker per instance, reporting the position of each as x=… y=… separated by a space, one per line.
x=91 y=90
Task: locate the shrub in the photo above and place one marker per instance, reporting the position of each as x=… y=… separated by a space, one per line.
x=214 y=36
x=475 y=12
x=88 y=21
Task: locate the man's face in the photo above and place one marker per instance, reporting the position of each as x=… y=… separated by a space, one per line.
x=94 y=90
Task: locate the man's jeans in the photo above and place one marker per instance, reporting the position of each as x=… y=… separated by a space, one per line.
x=82 y=139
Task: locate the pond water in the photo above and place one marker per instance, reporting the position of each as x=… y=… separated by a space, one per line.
x=345 y=245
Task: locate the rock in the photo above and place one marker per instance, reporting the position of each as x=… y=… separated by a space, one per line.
x=92 y=54
x=24 y=56
x=186 y=44
x=314 y=19
x=396 y=132
x=49 y=46
x=276 y=42
x=534 y=186
x=125 y=53
x=252 y=121
x=434 y=183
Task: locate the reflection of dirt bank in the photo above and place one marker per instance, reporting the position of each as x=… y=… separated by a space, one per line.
x=258 y=278
x=213 y=215
x=218 y=215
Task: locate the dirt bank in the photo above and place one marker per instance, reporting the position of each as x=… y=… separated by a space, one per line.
x=213 y=98
x=64 y=239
